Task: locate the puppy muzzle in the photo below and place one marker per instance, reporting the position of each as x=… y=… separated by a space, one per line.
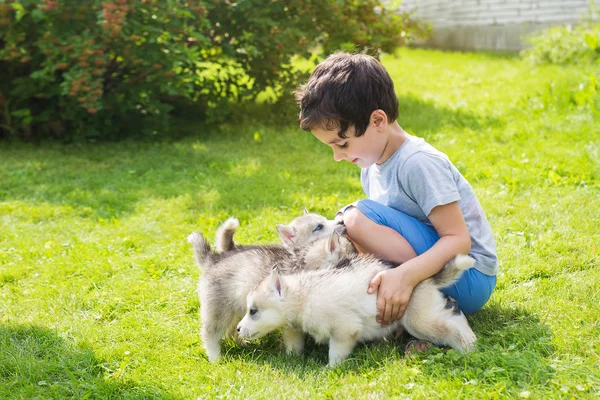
x=244 y=333
x=340 y=229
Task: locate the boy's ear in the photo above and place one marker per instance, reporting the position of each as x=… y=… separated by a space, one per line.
x=378 y=118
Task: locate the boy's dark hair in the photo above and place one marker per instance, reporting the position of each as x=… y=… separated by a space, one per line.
x=343 y=91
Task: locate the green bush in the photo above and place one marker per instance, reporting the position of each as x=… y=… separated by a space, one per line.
x=578 y=45
x=565 y=45
x=114 y=68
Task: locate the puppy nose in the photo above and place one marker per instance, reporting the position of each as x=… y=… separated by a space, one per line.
x=238 y=328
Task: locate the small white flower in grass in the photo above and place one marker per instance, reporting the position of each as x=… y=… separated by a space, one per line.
x=525 y=394
x=127 y=353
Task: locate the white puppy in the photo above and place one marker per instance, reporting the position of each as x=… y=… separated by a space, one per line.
x=333 y=305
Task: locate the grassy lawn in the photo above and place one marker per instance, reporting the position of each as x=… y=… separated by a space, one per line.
x=97 y=283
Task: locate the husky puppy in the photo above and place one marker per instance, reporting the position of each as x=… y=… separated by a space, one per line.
x=228 y=276
x=333 y=305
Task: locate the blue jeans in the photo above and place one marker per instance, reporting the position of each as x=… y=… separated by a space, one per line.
x=471 y=291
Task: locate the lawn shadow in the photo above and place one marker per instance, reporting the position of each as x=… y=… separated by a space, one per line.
x=234 y=167
x=512 y=344
x=36 y=363
x=270 y=351
x=424 y=118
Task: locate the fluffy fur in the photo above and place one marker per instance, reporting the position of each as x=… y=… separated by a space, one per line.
x=228 y=276
x=333 y=305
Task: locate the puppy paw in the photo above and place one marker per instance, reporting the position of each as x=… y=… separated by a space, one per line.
x=417 y=346
x=399 y=331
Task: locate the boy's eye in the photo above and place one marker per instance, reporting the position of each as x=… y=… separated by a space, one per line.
x=253 y=311
x=343 y=146
x=318 y=228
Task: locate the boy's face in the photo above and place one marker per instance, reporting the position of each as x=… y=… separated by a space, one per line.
x=363 y=151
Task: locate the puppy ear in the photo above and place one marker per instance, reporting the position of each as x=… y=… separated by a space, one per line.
x=287 y=234
x=306 y=211
x=275 y=282
x=333 y=243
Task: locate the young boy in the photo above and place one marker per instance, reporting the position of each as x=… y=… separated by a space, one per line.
x=420 y=210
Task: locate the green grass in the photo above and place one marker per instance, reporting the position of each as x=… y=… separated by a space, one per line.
x=97 y=284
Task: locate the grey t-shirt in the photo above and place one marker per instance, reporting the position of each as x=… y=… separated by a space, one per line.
x=417 y=178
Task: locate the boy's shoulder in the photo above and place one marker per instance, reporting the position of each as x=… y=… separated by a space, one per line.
x=414 y=159
x=416 y=152
x=415 y=144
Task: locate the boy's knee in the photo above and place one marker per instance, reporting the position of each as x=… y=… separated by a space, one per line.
x=353 y=220
x=370 y=204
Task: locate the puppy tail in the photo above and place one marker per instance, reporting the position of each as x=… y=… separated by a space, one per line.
x=225 y=234
x=452 y=271
x=201 y=249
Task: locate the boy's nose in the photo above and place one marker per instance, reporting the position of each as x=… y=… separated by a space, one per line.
x=338 y=155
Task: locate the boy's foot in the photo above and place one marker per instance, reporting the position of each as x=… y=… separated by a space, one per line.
x=417 y=346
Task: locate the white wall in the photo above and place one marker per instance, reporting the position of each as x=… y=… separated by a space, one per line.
x=492 y=24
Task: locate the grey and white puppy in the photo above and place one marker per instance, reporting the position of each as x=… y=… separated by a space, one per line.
x=228 y=276
x=333 y=305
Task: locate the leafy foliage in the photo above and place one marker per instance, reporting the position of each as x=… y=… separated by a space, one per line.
x=565 y=45
x=109 y=68
x=577 y=45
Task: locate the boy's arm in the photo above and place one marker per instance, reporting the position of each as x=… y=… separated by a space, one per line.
x=450 y=225
x=396 y=285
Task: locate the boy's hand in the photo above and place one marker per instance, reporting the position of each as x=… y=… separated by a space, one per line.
x=393 y=296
